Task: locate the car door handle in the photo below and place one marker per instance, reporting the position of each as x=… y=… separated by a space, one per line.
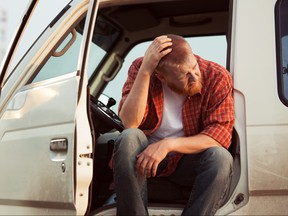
x=59 y=145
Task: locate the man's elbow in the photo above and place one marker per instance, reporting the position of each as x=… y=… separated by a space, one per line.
x=129 y=122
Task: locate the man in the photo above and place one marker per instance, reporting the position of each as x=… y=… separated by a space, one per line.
x=178 y=112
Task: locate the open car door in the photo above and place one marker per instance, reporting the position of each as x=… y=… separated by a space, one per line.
x=45 y=136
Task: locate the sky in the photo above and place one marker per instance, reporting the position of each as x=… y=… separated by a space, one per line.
x=13 y=11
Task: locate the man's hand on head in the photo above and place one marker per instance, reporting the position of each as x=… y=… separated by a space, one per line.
x=160 y=47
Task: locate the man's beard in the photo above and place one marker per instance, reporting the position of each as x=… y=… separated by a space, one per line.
x=190 y=90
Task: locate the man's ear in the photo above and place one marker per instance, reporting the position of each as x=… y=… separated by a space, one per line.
x=159 y=76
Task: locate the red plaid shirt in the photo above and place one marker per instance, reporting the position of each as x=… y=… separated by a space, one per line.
x=211 y=112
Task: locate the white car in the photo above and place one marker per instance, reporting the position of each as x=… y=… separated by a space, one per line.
x=58 y=119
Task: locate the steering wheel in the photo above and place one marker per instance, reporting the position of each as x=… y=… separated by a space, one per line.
x=105 y=118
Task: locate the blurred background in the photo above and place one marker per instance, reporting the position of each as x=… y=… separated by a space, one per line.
x=11 y=12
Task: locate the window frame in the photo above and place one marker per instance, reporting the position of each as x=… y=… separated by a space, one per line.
x=278 y=40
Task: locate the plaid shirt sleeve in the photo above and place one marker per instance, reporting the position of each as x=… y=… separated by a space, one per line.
x=218 y=120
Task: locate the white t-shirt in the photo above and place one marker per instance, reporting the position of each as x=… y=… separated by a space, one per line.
x=171 y=124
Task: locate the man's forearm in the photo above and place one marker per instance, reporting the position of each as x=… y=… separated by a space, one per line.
x=133 y=109
x=190 y=145
x=149 y=159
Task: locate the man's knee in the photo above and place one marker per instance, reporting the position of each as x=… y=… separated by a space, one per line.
x=219 y=161
x=132 y=133
x=130 y=141
x=220 y=155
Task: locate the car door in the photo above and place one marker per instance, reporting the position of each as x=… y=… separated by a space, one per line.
x=45 y=135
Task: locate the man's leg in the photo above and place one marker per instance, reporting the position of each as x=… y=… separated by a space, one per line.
x=131 y=189
x=210 y=171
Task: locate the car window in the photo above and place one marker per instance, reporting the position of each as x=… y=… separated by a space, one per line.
x=61 y=63
x=212 y=48
x=281 y=14
x=67 y=63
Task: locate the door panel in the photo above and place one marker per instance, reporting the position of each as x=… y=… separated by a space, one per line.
x=37 y=115
x=45 y=135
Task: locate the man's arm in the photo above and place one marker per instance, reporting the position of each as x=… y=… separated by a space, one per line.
x=133 y=108
x=150 y=158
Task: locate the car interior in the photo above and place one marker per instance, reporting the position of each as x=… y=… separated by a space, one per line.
x=117 y=30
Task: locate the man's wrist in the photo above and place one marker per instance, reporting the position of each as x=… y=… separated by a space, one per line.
x=144 y=73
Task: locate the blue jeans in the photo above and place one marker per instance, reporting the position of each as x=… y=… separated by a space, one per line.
x=208 y=173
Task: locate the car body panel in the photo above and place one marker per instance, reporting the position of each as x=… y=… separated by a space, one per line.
x=24 y=129
x=255 y=75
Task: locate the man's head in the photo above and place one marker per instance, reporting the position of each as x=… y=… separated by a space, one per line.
x=179 y=68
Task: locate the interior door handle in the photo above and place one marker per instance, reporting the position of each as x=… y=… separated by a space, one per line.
x=119 y=64
x=67 y=46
